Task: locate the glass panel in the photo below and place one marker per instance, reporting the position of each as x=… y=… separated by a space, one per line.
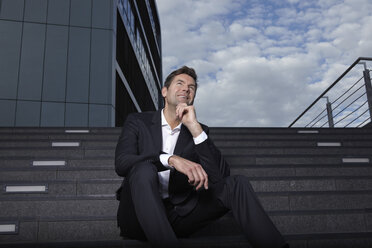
x=80 y=14
x=101 y=66
x=54 y=85
x=52 y=114
x=32 y=60
x=10 y=46
x=7 y=113
x=12 y=9
x=102 y=14
x=78 y=65
x=76 y=115
x=99 y=115
x=28 y=114
x=36 y=10
x=58 y=11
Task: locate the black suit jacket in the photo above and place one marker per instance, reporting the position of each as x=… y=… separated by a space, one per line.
x=141 y=141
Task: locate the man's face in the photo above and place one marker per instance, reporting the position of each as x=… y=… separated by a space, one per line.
x=181 y=90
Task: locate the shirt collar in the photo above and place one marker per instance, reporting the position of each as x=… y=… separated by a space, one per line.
x=165 y=123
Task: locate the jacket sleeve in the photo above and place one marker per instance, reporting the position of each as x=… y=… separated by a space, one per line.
x=212 y=160
x=127 y=150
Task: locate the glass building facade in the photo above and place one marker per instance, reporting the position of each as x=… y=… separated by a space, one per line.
x=83 y=63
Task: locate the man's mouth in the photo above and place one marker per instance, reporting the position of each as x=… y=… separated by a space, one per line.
x=183 y=97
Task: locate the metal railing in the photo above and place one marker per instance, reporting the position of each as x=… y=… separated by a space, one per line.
x=348 y=101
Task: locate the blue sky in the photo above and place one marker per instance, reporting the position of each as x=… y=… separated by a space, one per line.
x=262 y=62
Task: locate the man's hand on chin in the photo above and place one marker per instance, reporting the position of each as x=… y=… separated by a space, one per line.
x=186 y=114
x=194 y=171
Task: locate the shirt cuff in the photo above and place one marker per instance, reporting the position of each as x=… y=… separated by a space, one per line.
x=163 y=183
x=164 y=159
x=201 y=138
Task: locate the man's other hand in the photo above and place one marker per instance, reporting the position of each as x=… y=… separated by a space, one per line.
x=194 y=171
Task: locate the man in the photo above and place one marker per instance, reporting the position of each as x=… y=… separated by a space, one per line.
x=176 y=180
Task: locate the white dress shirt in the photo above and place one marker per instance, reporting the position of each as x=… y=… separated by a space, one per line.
x=170 y=138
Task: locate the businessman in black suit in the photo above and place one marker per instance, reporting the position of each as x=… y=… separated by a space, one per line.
x=176 y=180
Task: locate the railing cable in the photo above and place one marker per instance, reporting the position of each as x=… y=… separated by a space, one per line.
x=347 y=90
x=315 y=117
x=349 y=104
x=348 y=97
x=364 y=122
x=343 y=118
x=357 y=117
x=319 y=120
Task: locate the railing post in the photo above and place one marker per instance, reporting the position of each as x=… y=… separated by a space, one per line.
x=367 y=83
x=330 y=115
x=329 y=112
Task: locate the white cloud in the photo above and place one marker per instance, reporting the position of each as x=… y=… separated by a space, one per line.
x=262 y=64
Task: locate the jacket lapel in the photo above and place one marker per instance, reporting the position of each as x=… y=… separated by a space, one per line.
x=183 y=139
x=156 y=131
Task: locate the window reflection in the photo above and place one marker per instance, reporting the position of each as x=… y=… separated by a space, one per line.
x=126 y=9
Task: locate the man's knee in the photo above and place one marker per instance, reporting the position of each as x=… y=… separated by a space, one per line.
x=236 y=182
x=143 y=173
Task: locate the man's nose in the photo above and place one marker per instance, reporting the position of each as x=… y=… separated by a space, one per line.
x=185 y=88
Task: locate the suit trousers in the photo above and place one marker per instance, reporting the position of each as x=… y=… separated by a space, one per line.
x=143 y=215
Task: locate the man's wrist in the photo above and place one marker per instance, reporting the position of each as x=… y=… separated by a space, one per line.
x=195 y=129
x=170 y=161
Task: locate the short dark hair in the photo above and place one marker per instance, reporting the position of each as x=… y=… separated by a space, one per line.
x=183 y=70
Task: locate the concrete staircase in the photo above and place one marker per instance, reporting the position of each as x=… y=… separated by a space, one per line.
x=58 y=185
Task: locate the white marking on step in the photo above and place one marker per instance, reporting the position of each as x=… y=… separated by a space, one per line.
x=329 y=143
x=8 y=228
x=76 y=131
x=25 y=188
x=65 y=144
x=48 y=163
x=355 y=160
x=307 y=131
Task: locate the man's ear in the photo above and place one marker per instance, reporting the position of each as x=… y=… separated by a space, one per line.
x=164 y=91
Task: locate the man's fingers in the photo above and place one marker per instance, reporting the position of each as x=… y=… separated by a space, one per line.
x=195 y=173
x=191 y=177
x=196 y=177
x=206 y=179
x=203 y=177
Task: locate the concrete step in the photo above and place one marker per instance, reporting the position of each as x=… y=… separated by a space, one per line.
x=55 y=231
x=294 y=137
x=58 y=207
x=235 y=161
x=106 y=205
x=48 y=143
x=56 y=163
x=94 y=187
x=38 y=174
x=297 y=159
x=91 y=143
x=59 y=130
x=80 y=153
x=303 y=226
x=58 y=136
x=296 y=151
x=22 y=170
x=215 y=137
x=292 y=143
x=299 y=223
x=306 y=171
x=283 y=130
x=107 y=187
